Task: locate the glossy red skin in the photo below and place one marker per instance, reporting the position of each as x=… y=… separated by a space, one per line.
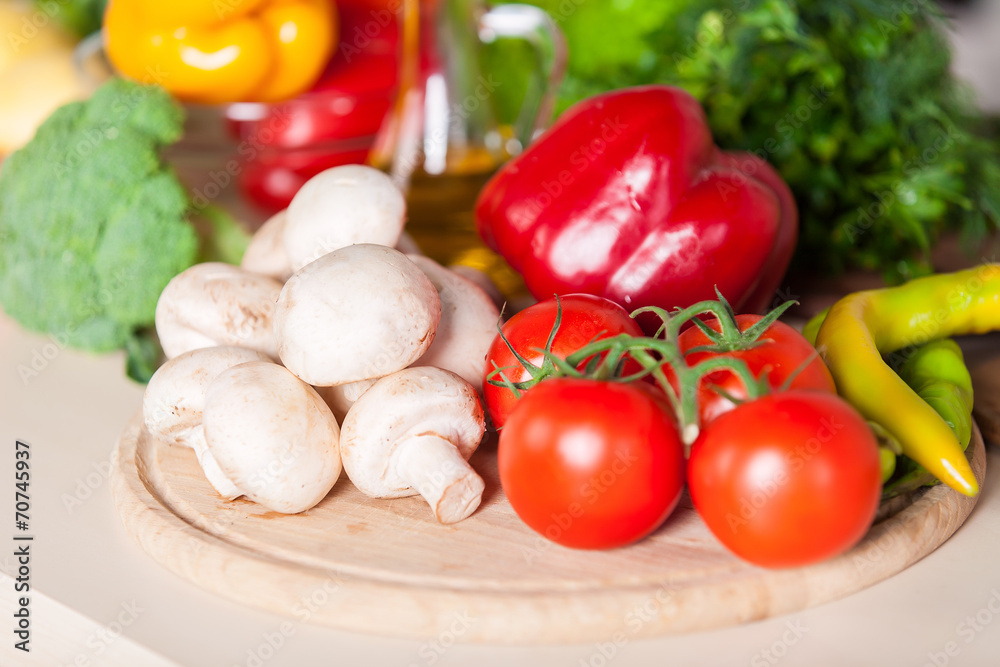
x=627 y=197
x=788 y=480
x=782 y=352
x=336 y=121
x=765 y=296
x=589 y=464
x=584 y=318
x=272 y=180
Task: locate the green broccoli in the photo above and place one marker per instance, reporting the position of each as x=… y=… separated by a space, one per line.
x=92 y=223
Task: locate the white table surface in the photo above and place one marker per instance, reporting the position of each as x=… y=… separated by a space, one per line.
x=88 y=576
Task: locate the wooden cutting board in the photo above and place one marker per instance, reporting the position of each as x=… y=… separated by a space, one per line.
x=387 y=567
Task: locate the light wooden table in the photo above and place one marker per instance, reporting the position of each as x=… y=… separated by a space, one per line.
x=90 y=582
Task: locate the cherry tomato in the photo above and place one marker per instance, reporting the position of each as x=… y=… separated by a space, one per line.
x=591 y=464
x=782 y=351
x=584 y=318
x=788 y=479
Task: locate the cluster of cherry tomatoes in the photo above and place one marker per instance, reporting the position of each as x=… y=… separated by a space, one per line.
x=785 y=479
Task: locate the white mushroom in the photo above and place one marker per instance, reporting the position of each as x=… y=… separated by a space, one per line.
x=340 y=397
x=215 y=304
x=407 y=245
x=210 y=467
x=413 y=432
x=468 y=324
x=343 y=206
x=266 y=254
x=357 y=313
x=273 y=436
x=174 y=402
x=481 y=279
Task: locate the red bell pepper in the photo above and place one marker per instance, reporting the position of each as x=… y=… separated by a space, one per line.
x=627 y=197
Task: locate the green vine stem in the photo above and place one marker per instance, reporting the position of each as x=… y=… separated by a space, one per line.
x=653 y=355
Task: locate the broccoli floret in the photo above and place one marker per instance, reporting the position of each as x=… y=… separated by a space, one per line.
x=92 y=222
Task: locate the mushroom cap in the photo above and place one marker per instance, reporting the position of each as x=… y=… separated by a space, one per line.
x=266 y=254
x=357 y=313
x=408 y=245
x=412 y=402
x=482 y=279
x=343 y=206
x=214 y=304
x=340 y=397
x=174 y=400
x=272 y=436
x=468 y=323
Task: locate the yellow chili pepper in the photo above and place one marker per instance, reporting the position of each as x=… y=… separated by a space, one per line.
x=225 y=51
x=862 y=327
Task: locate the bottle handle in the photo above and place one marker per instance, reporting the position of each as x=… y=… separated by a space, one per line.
x=536 y=27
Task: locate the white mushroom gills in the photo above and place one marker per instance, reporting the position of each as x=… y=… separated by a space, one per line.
x=266 y=255
x=214 y=304
x=340 y=207
x=357 y=313
x=468 y=325
x=273 y=436
x=412 y=433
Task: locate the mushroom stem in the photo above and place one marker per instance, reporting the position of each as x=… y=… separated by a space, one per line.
x=433 y=466
x=213 y=473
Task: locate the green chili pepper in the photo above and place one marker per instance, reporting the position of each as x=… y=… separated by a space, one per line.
x=937 y=373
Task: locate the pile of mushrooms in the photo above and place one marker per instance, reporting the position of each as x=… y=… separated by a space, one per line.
x=328 y=349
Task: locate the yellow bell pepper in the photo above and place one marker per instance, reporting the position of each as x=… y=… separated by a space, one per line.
x=862 y=327
x=226 y=51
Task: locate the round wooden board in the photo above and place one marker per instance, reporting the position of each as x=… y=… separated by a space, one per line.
x=387 y=567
